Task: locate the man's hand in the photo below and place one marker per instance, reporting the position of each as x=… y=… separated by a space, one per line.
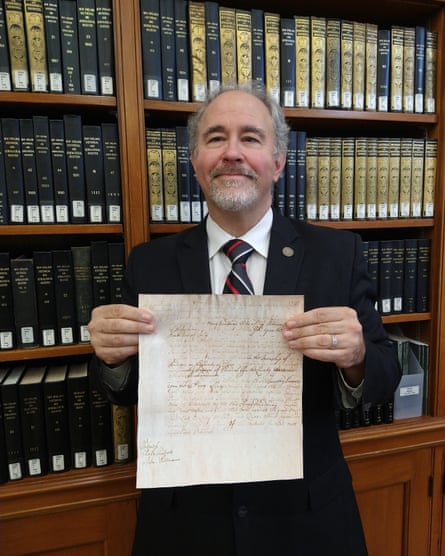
x=115 y=329
x=331 y=334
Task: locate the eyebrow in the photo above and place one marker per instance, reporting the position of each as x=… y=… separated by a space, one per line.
x=245 y=129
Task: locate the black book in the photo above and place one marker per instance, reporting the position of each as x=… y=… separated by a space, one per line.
x=25 y=302
x=410 y=276
x=423 y=274
x=183 y=173
x=385 y=276
x=100 y=273
x=4 y=475
x=151 y=49
x=44 y=169
x=182 y=51
x=59 y=170
x=280 y=193
x=291 y=176
x=195 y=198
x=11 y=420
x=213 y=45
x=56 y=418
x=70 y=47
x=301 y=175
x=116 y=260
x=101 y=428
x=258 y=67
x=5 y=70
x=46 y=297
x=87 y=39
x=28 y=154
x=419 y=69
x=83 y=289
x=53 y=45
x=13 y=170
x=373 y=266
x=33 y=421
x=78 y=403
x=383 y=68
x=105 y=46
x=168 y=49
x=65 y=296
x=287 y=61
x=7 y=321
x=75 y=168
x=398 y=266
x=4 y=207
x=112 y=173
x=94 y=172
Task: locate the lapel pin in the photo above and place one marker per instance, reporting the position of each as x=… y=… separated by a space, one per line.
x=287 y=251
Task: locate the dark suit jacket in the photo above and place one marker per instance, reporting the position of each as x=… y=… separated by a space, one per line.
x=314 y=516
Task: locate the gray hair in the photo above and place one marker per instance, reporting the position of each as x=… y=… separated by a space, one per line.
x=258 y=91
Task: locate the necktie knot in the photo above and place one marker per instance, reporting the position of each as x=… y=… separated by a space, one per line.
x=238 y=282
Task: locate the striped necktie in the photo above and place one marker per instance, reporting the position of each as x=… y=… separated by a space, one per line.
x=237 y=282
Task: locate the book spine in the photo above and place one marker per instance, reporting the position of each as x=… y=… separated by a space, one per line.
x=100 y=273
x=169 y=172
x=409 y=56
x=105 y=47
x=5 y=71
x=154 y=170
x=394 y=177
x=13 y=170
x=213 y=46
x=168 y=49
x=398 y=265
x=70 y=47
x=227 y=32
x=333 y=54
x=371 y=67
x=198 y=55
x=87 y=40
x=151 y=49
x=419 y=69
x=64 y=290
x=288 y=62
x=301 y=175
x=112 y=173
x=373 y=267
x=83 y=288
x=51 y=19
x=44 y=169
x=324 y=146
x=410 y=276
x=7 y=322
x=59 y=170
x=385 y=276
x=418 y=160
x=101 y=428
x=36 y=45
x=360 y=178
x=4 y=475
x=371 y=178
x=79 y=419
x=312 y=178
x=430 y=71
x=347 y=62
x=116 y=259
x=318 y=61
x=183 y=171
x=46 y=297
x=122 y=427
x=94 y=172
x=258 y=69
x=430 y=170
x=383 y=69
x=15 y=25
x=75 y=168
x=291 y=176
x=396 y=69
x=25 y=302
x=303 y=61
x=272 y=54
x=335 y=178
x=423 y=275
x=243 y=24
x=182 y=51
x=28 y=155
x=382 y=177
x=4 y=205
x=406 y=149
x=358 y=71
x=347 y=174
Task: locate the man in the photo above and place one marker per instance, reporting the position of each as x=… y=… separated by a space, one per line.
x=238 y=149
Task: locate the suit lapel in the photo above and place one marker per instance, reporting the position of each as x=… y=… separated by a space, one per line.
x=193 y=260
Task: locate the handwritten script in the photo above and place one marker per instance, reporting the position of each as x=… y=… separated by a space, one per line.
x=219 y=391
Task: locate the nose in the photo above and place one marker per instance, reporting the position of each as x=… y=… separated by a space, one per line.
x=233 y=150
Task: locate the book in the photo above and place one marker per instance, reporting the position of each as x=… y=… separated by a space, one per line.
x=396 y=69
x=347 y=62
x=75 y=168
x=183 y=172
x=87 y=40
x=154 y=171
x=397 y=278
x=417 y=168
x=5 y=71
x=7 y=322
x=56 y=418
x=32 y=420
x=409 y=56
x=83 y=289
x=16 y=34
x=4 y=206
x=382 y=177
x=301 y=175
x=373 y=266
x=318 y=61
x=410 y=276
x=116 y=261
x=13 y=170
x=59 y=170
x=46 y=298
x=272 y=54
x=44 y=169
x=347 y=174
x=182 y=51
x=333 y=63
x=100 y=273
x=288 y=62
x=197 y=48
x=169 y=172
x=406 y=150
x=385 y=276
x=51 y=19
x=312 y=178
x=168 y=49
x=423 y=274
x=227 y=33
x=371 y=67
x=70 y=47
x=195 y=199
x=105 y=46
x=359 y=65
x=431 y=39
x=371 y=178
x=291 y=176
x=112 y=173
x=429 y=181
x=258 y=69
x=383 y=69
x=28 y=155
x=4 y=475
x=122 y=428
x=12 y=422
x=324 y=145
x=360 y=166
x=25 y=302
x=419 y=69
x=65 y=296
x=213 y=46
x=94 y=172
x=243 y=25
x=335 y=178
x=101 y=428
x=36 y=45
x=394 y=177
x=303 y=61
x=79 y=418
x=151 y=49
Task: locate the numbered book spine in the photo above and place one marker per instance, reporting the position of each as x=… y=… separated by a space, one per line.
x=151 y=49
x=410 y=276
x=36 y=45
x=318 y=61
x=301 y=175
x=5 y=70
x=46 y=297
x=15 y=25
x=7 y=322
x=28 y=155
x=168 y=49
x=358 y=72
x=382 y=177
x=406 y=154
x=183 y=174
x=258 y=70
x=116 y=258
x=423 y=274
x=13 y=170
x=101 y=428
x=79 y=419
x=324 y=146
x=347 y=61
x=291 y=176
x=87 y=40
x=272 y=54
x=25 y=302
x=70 y=47
x=44 y=169
x=182 y=51
x=419 y=69
x=371 y=178
x=396 y=69
x=288 y=62
x=105 y=47
x=347 y=172
x=100 y=273
x=312 y=178
x=335 y=178
x=360 y=178
x=418 y=160
x=112 y=173
x=94 y=172
x=383 y=69
x=75 y=168
x=83 y=288
x=51 y=18
x=59 y=170
x=65 y=296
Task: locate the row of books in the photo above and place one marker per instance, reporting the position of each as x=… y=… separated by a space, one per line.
x=59 y=171
x=53 y=418
x=46 y=299
x=57 y=46
x=325 y=178
x=400 y=272
x=365 y=415
x=190 y=48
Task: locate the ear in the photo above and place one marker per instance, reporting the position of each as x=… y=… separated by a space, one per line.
x=280 y=162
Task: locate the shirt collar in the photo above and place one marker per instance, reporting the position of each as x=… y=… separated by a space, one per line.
x=258 y=236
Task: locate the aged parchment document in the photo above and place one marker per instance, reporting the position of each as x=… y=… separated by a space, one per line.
x=219 y=391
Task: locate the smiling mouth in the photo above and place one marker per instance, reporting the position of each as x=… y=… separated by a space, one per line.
x=233 y=172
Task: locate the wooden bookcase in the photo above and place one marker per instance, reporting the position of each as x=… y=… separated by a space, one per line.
x=398 y=469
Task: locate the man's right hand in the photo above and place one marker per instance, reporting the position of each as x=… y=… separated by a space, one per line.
x=114 y=331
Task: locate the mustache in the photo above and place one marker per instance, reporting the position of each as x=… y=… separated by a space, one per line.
x=233 y=169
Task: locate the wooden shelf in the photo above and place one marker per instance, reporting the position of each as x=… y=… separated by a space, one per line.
x=45 y=352
x=60 y=229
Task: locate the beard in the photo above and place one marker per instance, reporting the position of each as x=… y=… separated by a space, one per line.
x=229 y=194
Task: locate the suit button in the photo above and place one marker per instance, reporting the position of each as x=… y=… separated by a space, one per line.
x=242 y=511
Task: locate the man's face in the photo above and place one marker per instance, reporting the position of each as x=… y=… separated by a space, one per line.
x=234 y=160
